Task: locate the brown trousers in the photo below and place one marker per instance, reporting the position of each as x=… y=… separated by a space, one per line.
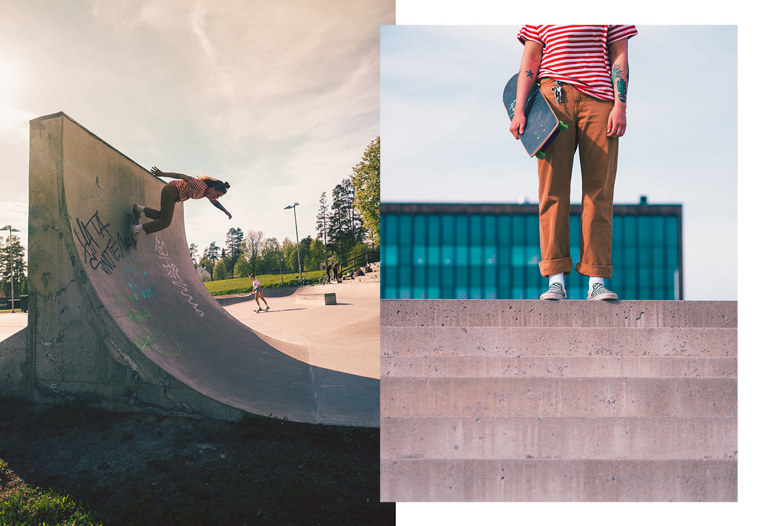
x=586 y=118
x=163 y=217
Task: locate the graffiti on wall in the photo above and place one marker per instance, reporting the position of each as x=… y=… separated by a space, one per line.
x=101 y=250
x=105 y=252
x=173 y=272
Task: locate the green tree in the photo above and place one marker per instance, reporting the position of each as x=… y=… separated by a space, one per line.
x=317 y=254
x=243 y=267
x=233 y=247
x=323 y=216
x=269 y=258
x=366 y=181
x=12 y=263
x=253 y=244
x=289 y=255
x=193 y=248
x=345 y=228
x=220 y=270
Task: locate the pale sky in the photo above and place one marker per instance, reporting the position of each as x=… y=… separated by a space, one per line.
x=280 y=99
x=446 y=133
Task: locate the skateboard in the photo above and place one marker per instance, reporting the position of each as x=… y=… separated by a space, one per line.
x=134 y=219
x=542 y=125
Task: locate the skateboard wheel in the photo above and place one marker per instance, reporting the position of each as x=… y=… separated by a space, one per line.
x=562 y=125
x=540 y=155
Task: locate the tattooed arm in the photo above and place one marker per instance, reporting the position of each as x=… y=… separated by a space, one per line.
x=616 y=123
x=531 y=60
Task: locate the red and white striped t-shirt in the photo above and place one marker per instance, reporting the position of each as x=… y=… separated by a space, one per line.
x=578 y=55
x=194 y=188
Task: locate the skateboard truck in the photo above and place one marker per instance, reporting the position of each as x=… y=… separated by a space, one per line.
x=540 y=154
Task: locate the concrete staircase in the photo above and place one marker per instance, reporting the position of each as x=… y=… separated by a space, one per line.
x=568 y=401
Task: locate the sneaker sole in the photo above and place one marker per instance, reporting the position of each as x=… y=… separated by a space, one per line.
x=609 y=296
x=553 y=296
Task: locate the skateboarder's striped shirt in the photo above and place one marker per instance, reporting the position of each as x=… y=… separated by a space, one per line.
x=194 y=188
x=578 y=55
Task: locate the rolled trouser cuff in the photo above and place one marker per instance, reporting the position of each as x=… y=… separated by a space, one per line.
x=555 y=266
x=597 y=271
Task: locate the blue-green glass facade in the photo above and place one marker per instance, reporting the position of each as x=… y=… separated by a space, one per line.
x=474 y=251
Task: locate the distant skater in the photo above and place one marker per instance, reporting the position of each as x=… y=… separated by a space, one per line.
x=257 y=294
x=184 y=188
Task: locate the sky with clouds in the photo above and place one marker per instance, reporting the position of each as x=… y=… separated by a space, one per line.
x=280 y=99
x=446 y=132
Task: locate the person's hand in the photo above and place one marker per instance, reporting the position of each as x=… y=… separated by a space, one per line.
x=229 y=216
x=616 y=122
x=155 y=171
x=517 y=127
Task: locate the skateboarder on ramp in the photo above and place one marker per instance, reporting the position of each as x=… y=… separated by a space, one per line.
x=135 y=328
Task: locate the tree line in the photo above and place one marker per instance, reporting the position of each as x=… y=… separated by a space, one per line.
x=347 y=227
x=12 y=264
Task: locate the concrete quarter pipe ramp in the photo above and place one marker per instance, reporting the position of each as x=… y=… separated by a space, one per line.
x=135 y=327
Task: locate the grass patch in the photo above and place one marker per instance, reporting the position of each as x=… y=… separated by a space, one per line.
x=34 y=506
x=225 y=287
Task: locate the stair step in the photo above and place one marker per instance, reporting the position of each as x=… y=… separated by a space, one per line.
x=489 y=480
x=536 y=313
x=582 y=366
x=558 y=341
x=544 y=397
x=606 y=438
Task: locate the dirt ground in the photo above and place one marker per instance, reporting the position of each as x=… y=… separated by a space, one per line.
x=145 y=469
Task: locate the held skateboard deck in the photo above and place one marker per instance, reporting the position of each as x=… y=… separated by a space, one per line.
x=541 y=126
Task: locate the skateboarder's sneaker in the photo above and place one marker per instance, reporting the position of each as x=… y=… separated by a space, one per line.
x=136 y=213
x=600 y=292
x=266 y=308
x=556 y=292
x=260 y=309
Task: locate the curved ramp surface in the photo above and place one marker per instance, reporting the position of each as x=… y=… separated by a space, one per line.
x=136 y=326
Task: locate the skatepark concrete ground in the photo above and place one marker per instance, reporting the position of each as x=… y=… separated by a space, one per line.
x=11 y=323
x=344 y=337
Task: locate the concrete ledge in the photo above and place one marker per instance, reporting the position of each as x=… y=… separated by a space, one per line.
x=570 y=438
x=431 y=480
x=569 y=397
x=327 y=298
x=561 y=367
x=535 y=313
x=559 y=341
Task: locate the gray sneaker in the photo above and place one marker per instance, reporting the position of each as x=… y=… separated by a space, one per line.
x=599 y=292
x=555 y=292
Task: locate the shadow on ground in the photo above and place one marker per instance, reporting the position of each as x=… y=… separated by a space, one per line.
x=135 y=469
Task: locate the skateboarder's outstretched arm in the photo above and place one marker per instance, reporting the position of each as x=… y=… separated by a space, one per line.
x=616 y=123
x=531 y=61
x=158 y=173
x=220 y=207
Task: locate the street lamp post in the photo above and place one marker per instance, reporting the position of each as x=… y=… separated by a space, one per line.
x=298 y=243
x=10 y=246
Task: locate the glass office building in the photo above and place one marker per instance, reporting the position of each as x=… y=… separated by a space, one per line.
x=491 y=251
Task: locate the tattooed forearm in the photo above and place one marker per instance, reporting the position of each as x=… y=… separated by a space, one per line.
x=529 y=73
x=620 y=83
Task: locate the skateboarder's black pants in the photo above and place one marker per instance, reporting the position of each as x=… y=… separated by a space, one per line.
x=162 y=218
